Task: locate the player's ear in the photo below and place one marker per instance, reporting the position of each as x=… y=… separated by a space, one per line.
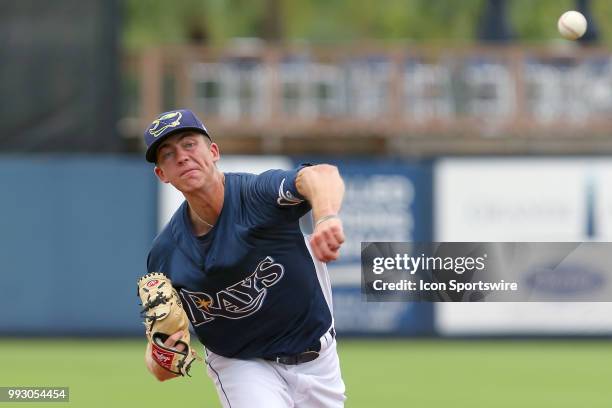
x=160 y=175
x=214 y=151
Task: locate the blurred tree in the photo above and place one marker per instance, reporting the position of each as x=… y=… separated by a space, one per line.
x=536 y=21
x=333 y=21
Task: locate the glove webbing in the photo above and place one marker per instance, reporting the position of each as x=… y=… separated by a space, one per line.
x=160 y=299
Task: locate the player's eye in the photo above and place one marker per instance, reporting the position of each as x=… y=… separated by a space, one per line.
x=166 y=155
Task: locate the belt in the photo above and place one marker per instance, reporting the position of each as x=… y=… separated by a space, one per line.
x=305 y=356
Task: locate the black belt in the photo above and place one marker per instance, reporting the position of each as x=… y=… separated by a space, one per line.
x=309 y=354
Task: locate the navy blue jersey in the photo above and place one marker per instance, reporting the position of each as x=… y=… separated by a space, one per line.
x=250 y=286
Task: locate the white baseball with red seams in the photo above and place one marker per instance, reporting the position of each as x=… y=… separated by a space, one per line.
x=572 y=25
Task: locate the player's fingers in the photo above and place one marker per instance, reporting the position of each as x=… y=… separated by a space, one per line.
x=332 y=255
x=329 y=245
x=325 y=239
x=334 y=238
x=336 y=229
x=339 y=234
x=314 y=246
x=332 y=231
x=171 y=341
x=321 y=248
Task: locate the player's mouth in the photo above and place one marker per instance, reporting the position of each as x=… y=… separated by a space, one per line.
x=188 y=172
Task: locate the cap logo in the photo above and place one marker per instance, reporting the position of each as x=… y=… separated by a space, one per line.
x=164 y=122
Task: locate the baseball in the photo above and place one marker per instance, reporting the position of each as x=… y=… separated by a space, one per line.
x=572 y=25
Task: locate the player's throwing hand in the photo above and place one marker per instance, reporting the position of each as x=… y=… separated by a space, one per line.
x=327 y=238
x=323 y=187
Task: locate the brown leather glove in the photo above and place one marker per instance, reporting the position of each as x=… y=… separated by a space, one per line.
x=163 y=316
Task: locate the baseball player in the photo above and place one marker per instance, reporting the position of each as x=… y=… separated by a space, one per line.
x=246 y=254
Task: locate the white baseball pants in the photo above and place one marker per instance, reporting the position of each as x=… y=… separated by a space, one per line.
x=267 y=384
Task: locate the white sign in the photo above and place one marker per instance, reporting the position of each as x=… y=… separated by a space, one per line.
x=521 y=200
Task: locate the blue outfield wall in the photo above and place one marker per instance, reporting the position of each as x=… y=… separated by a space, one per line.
x=76 y=231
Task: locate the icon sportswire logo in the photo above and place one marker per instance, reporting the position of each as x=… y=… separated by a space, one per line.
x=239 y=300
x=285 y=197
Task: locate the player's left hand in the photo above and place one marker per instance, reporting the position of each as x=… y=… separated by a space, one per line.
x=327 y=239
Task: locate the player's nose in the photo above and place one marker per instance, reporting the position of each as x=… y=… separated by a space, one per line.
x=181 y=156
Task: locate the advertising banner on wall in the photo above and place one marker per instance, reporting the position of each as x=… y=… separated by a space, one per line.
x=523 y=200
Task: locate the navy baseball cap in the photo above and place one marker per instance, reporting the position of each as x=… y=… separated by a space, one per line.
x=167 y=124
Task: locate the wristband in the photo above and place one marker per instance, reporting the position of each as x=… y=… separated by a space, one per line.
x=327 y=217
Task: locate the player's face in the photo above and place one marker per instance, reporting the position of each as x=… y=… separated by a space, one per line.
x=187 y=161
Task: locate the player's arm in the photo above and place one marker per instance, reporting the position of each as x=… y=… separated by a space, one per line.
x=323 y=187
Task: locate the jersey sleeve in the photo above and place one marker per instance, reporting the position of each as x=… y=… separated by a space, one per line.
x=273 y=196
x=156 y=260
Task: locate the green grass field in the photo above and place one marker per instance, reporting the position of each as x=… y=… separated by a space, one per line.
x=512 y=374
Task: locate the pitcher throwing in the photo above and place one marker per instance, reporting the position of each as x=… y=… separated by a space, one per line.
x=246 y=254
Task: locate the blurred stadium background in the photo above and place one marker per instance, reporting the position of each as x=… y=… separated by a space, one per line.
x=450 y=121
